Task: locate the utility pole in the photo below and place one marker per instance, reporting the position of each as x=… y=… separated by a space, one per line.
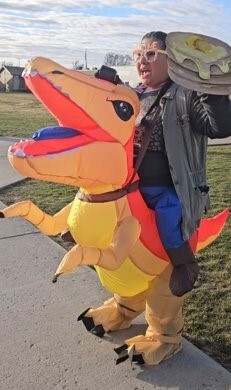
x=85 y=58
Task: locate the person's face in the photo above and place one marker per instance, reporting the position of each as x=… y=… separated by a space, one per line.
x=152 y=69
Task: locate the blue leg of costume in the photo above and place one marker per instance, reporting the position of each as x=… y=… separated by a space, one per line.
x=166 y=204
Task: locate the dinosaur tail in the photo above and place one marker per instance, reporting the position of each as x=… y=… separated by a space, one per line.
x=209 y=230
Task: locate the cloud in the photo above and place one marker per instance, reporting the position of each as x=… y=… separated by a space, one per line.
x=64 y=30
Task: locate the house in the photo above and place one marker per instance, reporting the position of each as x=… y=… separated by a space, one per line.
x=11 y=79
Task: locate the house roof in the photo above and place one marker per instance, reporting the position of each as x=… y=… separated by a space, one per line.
x=14 y=70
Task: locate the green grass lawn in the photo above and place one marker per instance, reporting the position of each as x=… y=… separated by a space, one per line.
x=22 y=114
x=207 y=310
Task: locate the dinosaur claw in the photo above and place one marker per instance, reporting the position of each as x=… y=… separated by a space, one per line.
x=138 y=358
x=55 y=277
x=98 y=331
x=89 y=324
x=135 y=357
x=87 y=321
x=122 y=357
x=124 y=354
x=80 y=317
x=120 y=349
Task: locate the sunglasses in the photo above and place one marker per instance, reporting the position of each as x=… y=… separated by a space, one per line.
x=150 y=54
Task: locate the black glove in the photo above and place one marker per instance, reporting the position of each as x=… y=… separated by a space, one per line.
x=183 y=278
x=185 y=270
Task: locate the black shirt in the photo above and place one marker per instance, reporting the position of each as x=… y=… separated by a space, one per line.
x=154 y=168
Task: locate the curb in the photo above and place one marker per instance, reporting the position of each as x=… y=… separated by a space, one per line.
x=13 y=183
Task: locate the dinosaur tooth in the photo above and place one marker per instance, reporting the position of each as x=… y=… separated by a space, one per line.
x=19 y=153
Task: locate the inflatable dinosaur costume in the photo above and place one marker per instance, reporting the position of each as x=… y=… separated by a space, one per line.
x=92 y=148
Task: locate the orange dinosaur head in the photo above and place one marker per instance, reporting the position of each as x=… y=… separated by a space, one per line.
x=92 y=146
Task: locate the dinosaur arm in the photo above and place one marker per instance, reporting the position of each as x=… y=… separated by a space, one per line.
x=47 y=224
x=111 y=258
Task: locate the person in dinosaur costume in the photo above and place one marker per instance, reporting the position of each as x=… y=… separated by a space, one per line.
x=172 y=174
x=114 y=230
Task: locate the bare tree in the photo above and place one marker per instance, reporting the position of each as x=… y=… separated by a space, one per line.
x=114 y=59
x=77 y=66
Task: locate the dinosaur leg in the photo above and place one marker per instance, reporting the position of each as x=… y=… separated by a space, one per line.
x=116 y=313
x=165 y=322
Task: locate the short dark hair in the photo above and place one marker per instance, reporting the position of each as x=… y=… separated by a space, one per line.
x=157 y=36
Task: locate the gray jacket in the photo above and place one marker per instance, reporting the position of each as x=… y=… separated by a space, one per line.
x=186 y=151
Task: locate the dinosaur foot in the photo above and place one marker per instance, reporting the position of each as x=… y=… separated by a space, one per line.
x=106 y=318
x=89 y=324
x=148 y=350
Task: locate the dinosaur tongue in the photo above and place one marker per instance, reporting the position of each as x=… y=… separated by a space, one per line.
x=55 y=132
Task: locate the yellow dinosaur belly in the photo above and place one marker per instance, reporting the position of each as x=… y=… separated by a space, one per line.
x=93 y=224
x=126 y=281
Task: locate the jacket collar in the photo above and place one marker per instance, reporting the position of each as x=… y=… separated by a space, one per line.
x=170 y=92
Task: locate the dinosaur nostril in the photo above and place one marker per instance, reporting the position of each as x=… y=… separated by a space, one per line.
x=56 y=72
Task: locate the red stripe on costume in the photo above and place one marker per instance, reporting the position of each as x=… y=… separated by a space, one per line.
x=149 y=234
x=207 y=232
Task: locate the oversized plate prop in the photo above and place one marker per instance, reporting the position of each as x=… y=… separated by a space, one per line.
x=199 y=62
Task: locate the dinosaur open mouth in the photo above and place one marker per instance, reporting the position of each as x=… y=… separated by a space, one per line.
x=55 y=132
x=50 y=140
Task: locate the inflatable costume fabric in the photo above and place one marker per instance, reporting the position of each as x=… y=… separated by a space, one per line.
x=92 y=149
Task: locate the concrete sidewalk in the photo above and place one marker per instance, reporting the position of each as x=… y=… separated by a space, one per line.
x=7 y=174
x=42 y=345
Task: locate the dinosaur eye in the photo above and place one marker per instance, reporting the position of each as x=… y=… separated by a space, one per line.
x=123 y=109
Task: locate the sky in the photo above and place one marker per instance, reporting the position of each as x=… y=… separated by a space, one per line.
x=67 y=31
